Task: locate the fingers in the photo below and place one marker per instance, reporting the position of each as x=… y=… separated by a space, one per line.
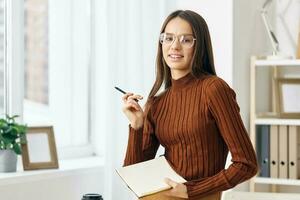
x=135 y=97
x=125 y=97
x=130 y=101
x=170 y=182
x=131 y=104
x=178 y=189
x=131 y=96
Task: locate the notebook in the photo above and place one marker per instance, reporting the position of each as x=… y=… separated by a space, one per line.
x=147 y=177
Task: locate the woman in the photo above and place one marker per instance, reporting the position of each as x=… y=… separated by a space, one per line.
x=196 y=118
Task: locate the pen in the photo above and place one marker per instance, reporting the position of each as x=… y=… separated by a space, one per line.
x=122 y=91
x=119 y=89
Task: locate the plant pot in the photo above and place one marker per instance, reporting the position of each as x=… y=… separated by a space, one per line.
x=8 y=161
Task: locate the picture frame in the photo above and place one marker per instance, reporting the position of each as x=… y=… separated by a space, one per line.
x=288 y=97
x=39 y=152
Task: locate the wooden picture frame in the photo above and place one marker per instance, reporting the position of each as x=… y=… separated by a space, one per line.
x=40 y=150
x=288 y=97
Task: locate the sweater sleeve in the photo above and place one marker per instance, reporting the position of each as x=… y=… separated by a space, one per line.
x=225 y=110
x=142 y=143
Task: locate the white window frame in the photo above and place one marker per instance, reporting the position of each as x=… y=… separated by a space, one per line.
x=74 y=64
x=13 y=57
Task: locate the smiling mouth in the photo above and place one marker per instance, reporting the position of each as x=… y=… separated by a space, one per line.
x=175 y=56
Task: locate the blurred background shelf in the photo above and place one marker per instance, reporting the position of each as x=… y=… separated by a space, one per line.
x=277 y=181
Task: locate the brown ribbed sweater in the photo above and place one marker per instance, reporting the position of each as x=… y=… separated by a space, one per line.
x=197 y=121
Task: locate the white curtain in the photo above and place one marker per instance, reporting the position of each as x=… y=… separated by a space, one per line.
x=125 y=37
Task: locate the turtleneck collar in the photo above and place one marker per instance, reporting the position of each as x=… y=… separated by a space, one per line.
x=182 y=82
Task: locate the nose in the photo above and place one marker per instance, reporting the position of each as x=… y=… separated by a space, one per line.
x=176 y=44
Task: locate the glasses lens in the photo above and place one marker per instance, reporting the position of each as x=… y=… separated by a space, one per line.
x=187 y=40
x=166 y=38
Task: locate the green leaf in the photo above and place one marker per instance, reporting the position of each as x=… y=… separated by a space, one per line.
x=11 y=119
x=8 y=130
x=23 y=139
x=2 y=145
x=7 y=141
x=17 y=148
x=9 y=138
x=12 y=134
x=9 y=146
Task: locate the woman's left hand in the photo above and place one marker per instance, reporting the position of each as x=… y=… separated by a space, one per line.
x=178 y=189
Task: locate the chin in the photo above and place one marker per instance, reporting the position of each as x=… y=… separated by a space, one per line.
x=177 y=67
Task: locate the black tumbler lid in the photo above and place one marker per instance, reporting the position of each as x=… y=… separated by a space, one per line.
x=92 y=197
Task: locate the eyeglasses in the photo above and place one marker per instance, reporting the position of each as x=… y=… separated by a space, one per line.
x=186 y=41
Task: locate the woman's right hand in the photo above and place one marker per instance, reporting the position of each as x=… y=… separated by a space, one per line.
x=133 y=110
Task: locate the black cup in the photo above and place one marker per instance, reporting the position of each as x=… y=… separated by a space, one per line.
x=92 y=197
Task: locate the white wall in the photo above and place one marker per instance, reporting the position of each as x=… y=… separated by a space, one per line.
x=287 y=25
x=218 y=15
x=287 y=28
x=249 y=39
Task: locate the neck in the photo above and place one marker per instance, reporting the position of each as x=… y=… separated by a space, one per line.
x=183 y=82
x=178 y=74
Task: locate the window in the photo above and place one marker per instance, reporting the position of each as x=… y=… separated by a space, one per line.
x=2 y=54
x=55 y=78
x=36 y=52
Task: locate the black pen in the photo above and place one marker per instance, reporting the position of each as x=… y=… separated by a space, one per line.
x=122 y=91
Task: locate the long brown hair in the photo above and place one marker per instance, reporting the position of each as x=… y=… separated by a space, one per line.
x=202 y=60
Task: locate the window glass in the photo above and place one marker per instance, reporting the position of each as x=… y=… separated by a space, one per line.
x=57 y=65
x=36 y=51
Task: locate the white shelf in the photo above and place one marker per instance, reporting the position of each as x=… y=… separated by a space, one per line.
x=277 y=181
x=66 y=168
x=268 y=118
x=291 y=62
x=276 y=121
x=238 y=195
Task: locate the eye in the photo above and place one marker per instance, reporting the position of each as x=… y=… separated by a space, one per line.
x=168 y=38
x=187 y=39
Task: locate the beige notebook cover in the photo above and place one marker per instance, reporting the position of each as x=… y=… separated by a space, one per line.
x=147 y=177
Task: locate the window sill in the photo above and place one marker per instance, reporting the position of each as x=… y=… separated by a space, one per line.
x=66 y=168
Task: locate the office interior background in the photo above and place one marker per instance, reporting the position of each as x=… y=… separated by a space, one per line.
x=61 y=60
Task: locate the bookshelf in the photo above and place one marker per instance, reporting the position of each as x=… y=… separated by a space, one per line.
x=276 y=181
x=268 y=118
x=261 y=62
x=272 y=121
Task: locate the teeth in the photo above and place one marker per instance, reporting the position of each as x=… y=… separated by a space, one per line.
x=175 y=56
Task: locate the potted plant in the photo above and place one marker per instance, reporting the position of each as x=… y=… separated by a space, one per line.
x=12 y=135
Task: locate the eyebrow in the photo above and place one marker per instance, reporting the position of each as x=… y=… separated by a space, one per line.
x=181 y=34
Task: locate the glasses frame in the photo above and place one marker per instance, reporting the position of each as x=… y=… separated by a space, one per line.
x=177 y=37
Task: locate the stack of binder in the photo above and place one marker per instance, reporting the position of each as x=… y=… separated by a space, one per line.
x=294 y=152
x=278 y=151
x=263 y=150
